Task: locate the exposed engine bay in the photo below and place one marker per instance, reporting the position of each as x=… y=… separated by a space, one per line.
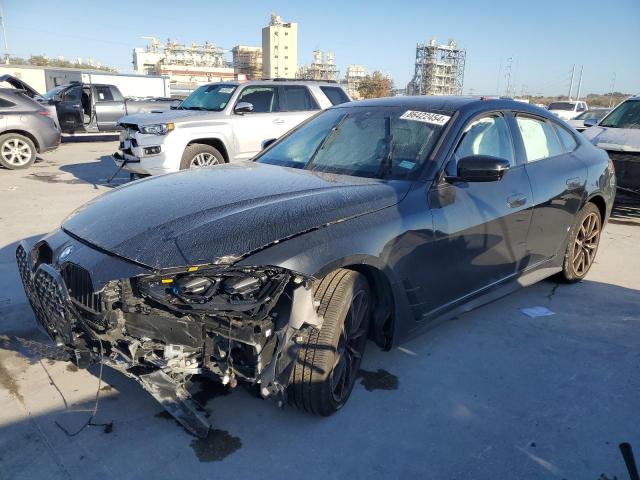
x=231 y=324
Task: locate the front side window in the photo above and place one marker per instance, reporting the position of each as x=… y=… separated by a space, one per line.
x=209 y=97
x=263 y=99
x=298 y=98
x=363 y=142
x=625 y=115
x=539 y=138
x=486 y=136
x=73 y=94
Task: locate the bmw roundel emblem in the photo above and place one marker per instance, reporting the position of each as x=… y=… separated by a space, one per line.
x=66 y=252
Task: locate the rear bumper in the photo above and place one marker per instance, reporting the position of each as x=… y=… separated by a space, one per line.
x=48 y=140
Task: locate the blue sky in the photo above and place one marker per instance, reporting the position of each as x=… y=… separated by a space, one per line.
x=544 y=38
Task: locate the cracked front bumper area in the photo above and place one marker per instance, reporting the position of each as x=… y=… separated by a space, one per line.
x=231 y=324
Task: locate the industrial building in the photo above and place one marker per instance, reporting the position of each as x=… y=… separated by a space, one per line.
x=247 y=62
x=279 y=48
x=322 y=68
x=439 y=69
x=187 y=66
x=353 y=77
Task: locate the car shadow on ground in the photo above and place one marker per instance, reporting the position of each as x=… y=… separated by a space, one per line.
x=448 y=386
x=626 y=209
x=98 y=173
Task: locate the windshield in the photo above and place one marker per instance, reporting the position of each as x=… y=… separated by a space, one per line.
x=53 y=92
x=364 y=142
x=561 y=106
x=626 y=115
x=597 y=114
x=209 y=97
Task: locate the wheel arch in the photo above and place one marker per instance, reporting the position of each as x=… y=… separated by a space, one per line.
x=214 y=142
x=599 y=201
x=24 y=133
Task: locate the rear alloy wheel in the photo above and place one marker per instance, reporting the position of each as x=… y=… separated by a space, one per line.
x=16 y=151
x=200 y=155
x=582 y=246
x=327 y=366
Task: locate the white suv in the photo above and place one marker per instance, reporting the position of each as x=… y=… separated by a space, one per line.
x=220 y=122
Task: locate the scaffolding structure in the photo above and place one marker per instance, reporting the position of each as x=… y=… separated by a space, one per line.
x=322 y=68
x=439 y=69
x=248 y=61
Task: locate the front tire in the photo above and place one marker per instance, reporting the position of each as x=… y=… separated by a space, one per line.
x=16 y=151
x=327 y=366
x=199 y=155
x=582 y=246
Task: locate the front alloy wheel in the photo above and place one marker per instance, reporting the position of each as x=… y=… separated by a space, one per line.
x=16 y=151
x=204 y=159
x=327 y=366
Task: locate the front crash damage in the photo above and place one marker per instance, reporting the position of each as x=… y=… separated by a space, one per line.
x=229 y=323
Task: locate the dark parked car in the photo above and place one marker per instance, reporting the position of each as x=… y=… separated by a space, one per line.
x=370 y=220
x=26 y=129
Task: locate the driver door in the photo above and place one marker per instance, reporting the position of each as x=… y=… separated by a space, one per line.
x=250 y=129
x=480 y=227
x=69 y=110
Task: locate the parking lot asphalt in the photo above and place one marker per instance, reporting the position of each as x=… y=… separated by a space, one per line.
x=492 y=394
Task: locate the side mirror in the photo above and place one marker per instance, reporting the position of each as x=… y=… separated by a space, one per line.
x=268 y=142
x=482 y=168
x=590 y=122
x=243 y=107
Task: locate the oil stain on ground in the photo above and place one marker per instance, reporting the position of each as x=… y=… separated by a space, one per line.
x=53 y=178
x=380 y=380
x=71 y=367
x=7 y=381
x=216 y=446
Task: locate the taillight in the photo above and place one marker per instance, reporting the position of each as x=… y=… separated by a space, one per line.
x=44 y=112
x=611 y=167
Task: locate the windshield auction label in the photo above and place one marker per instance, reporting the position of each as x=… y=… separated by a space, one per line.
x=426 y=117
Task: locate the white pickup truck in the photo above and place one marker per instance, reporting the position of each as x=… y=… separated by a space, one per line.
x=568 y=109
x=220 y=122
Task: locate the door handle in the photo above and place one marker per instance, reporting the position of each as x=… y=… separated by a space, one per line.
x=517 y=200
x=278 y=121
x=573 y=183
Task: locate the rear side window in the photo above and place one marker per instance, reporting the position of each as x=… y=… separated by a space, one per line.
x=297 y=98
x=539 y=138
x=335 y=95
x=568 y=142
x=103 y=94
x=6 y=103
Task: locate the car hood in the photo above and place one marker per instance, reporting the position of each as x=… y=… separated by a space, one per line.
x=169 y=116
x=622 y=139
x=221 y=213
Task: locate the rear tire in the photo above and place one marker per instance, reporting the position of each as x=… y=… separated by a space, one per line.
x=326 y=368
x=16 y=151
x=198 y=155
x=582 y=245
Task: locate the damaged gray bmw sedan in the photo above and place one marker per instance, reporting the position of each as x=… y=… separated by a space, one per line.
x=369 y=221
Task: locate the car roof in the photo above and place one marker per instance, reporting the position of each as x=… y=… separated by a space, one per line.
x=448 y=104
x=278 y=82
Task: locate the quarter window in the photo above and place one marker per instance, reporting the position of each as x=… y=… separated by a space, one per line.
x=567 y=140
x=539 y=138
x=298 y=98
x=486 y=136
x=263 y=99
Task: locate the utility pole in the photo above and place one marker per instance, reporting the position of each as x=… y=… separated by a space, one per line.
x=613 y=84
x=580 y=82
x=4 y=35
x=507 y=77
x=573 y=71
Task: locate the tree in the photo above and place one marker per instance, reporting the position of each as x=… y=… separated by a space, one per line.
x=375 y=85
